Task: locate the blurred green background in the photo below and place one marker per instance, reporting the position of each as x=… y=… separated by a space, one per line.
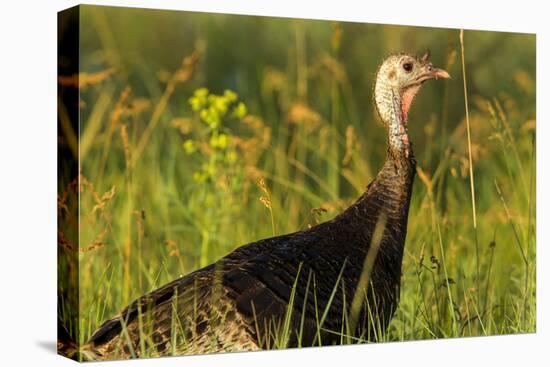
x=161 y=197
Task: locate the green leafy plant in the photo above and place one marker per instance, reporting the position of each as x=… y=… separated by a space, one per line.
x=215 y=112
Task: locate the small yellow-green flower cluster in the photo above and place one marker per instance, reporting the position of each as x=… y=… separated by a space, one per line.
x=219 y=141
x=214 y=110
x=189 y=147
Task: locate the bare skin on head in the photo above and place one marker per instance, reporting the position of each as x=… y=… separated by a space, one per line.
x=398 y=80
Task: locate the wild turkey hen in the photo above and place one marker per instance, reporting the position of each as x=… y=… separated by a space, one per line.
x=298 y=289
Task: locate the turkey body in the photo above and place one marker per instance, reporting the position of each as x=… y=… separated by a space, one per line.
x=298 y=289
x=241 y=301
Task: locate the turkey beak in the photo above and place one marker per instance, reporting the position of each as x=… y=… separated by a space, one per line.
x=440 y=73
x=431 y=72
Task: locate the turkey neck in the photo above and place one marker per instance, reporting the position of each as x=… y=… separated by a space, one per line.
x=393 y=183
x=390 y=193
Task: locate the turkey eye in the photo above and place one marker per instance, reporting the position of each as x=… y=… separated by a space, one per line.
x=407 y=66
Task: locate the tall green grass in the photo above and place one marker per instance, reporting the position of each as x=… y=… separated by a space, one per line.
x=307 y=147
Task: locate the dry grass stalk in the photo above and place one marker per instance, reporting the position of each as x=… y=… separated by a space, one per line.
x=266 y=201
x=181 y=75
x=84 y=80
x=471 y=165
x=350 y=141
x=125 y=144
